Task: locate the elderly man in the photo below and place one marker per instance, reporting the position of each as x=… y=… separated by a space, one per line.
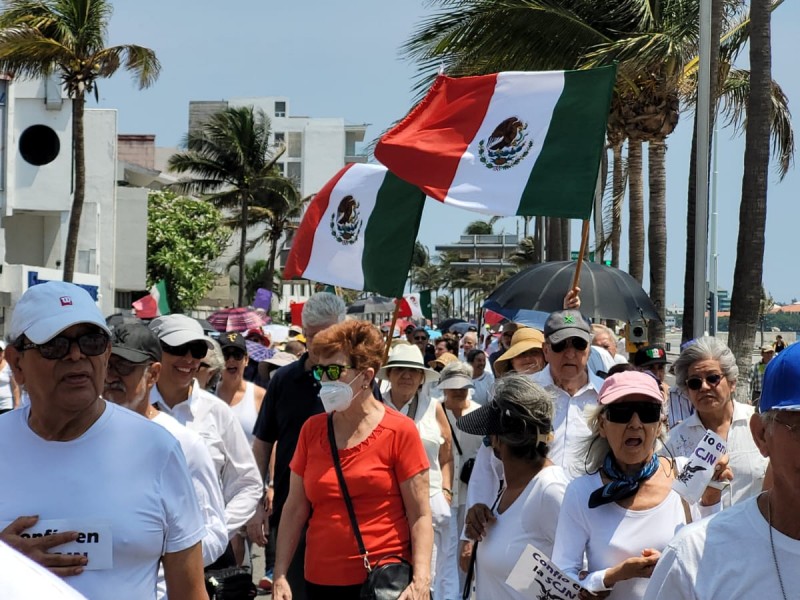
x=420 y=339
x=133 y=370
x=699 y=563
x=468 y=343
x=603 y=337
x=292 y=397
x=757 y=373
x=177 y=393
x=108 y=481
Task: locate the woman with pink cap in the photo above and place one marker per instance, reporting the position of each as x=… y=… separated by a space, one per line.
x=620 y=515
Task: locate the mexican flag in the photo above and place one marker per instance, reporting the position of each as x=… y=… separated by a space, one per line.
x=515 y=143
x=416 y=305
x=155 y=303
x=359 y=232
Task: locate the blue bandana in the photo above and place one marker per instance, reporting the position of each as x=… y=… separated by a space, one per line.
x=621 y=485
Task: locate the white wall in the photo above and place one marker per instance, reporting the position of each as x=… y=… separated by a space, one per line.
x=323 y=152
x=131 y=239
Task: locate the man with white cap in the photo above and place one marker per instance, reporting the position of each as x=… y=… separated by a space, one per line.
x=701 y=562
x=133 y=370
x=177 y=393
x=113 y=484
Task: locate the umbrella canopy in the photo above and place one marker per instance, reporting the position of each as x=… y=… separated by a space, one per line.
x=531 y=318
x=444 y=326
x=258 y=352
x=461 y=328
x=235 y=319
x=606 y=292
x=371 y=305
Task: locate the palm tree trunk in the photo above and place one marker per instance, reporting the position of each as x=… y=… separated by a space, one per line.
x=747 y=274
x=242 y=250
x=657 y=236
x=71 y=249
x=269 y=276
x=565 y=249
x=636 y=208
x=538 y=240
x=618 y=188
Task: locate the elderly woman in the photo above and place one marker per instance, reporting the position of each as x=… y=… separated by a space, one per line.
x=407 y=393
x=524 y=356
x=620 y=515
x=518 y=423
x=384 y=467
x=482 y=379
x=706 y=370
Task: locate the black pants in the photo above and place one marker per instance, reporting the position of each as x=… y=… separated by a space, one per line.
x=332 y=592
x=296 y=574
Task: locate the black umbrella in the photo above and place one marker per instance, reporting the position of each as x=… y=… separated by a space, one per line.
x=445 y=325
x=371 y=305
x=606 y=292
x=462 y=328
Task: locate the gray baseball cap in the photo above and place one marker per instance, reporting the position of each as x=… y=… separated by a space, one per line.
x=565 y=324
x=176 y=330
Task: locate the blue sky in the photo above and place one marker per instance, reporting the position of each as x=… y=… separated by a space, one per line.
x=342 y=59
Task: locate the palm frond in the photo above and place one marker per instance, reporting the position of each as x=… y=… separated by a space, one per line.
x=140 y=61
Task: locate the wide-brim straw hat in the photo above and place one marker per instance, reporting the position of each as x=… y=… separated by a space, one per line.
x=525 y=338
x=409 y=357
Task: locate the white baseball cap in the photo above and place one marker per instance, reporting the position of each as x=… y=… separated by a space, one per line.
x=47 y=309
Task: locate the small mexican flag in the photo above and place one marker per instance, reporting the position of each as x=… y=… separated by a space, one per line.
x=154 y=304
x=515 y=143
x=416 y=305
x=359 y=232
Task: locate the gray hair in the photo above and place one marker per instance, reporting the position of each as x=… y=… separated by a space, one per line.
x=527 y=402
x=706 y=348
x=596 y=447
x=600 y=328
x=323 y=308
x=455 y=368
x=214 y=357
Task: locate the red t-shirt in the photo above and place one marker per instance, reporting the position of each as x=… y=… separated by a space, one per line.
x=373 y=470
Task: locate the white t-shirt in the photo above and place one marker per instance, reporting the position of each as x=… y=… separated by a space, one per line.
x=23 y=579
x=233 y=457
x=483 y=388
x=6 y=395
x=123 y=472
x=531 y=519
x=470 y=444
x=727 y=556
x=609 y=534
x=748 y=465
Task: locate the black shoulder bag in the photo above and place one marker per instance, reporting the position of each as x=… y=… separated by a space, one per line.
x=466 y=468
x=467 y=591
x=384 y=581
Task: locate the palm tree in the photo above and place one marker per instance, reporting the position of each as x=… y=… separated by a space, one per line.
x=39 y=38
x=232 y=163
x=526 y=253
x=481 y=227
x=747 y=275
x=419 y=258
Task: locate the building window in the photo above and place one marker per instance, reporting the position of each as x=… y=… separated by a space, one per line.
x=280 y=108
x=294 y=172
x=280 y=138
x=123 y=300
x=281 y=167
x=295 y=147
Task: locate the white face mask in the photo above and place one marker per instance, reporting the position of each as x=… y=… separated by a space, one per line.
x=336 y=396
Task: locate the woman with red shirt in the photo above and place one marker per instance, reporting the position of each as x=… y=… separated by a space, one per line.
x=385 y=468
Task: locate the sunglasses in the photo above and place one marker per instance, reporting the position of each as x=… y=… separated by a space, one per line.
x=198 y=349
x=90 y=344
x=124 y=367
x=332 y=371
x=649 y=412
x=420 y=339
x=578 y=343
x=234 y=353
x=695 y=383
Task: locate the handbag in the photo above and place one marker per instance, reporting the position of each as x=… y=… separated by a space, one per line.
x=466 y=468
x=234 y=583
x=385 y=580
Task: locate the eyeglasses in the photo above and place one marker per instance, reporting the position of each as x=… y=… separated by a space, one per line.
x=695 y=383
x=332 y=371
x=124 y=367
x=793 y=429
x=420 y=339
x=198 y=349
x=90 y=344
x=234 y=353
x=579 y=344
x=649 y=412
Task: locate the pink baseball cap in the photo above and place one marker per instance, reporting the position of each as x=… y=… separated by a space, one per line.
x=630 y=383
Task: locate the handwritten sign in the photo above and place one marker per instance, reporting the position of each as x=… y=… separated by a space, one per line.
x=535 y=576
x=94 y=539
x=696 y=475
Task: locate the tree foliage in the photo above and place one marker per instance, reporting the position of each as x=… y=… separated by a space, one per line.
x=184 y=236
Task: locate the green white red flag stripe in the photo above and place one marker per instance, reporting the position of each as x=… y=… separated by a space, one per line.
x=513 y=143
x=359 y=232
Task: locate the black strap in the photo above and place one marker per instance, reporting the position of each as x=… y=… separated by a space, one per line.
x=453 y=433
x=412 y=410
x=345 y=494
x=467 y=592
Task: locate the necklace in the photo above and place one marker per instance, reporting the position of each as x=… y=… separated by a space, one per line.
x=772 y=545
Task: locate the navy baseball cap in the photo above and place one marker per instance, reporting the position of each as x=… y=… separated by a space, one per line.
x=780 y=390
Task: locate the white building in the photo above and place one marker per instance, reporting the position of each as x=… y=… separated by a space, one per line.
x=36 y=190
x=316 y=148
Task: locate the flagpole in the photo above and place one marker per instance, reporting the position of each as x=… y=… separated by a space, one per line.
x=584 y=242
x=391 y=330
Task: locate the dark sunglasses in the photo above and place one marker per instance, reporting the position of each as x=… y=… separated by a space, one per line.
x=695 y=383
x=579 y=344
x=649 y=412
x=234 y=353
x=420 y=339
x=198 y=349
x=124 y=367
x=332 y=371
x=90 y=344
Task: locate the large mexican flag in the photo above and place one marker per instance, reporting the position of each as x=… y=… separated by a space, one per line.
x=359 y=232
x=515 y=143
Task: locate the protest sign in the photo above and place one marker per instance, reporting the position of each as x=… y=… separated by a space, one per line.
x=94 y=539
x=535 y=576
x=696 y=475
